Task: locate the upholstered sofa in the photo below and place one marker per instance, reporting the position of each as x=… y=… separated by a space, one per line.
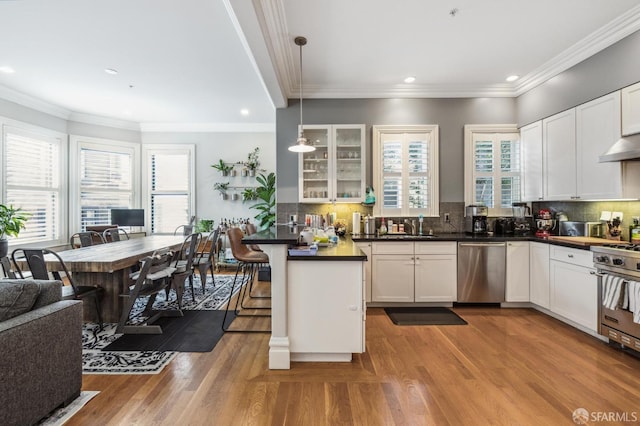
x=40 y=350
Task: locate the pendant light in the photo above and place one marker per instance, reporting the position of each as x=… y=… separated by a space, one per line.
x=302 y=145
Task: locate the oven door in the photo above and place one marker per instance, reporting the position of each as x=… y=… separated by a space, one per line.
x=617 y=324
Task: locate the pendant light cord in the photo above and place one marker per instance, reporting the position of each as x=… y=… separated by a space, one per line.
x=301 y=41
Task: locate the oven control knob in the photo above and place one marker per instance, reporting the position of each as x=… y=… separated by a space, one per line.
x=602 y=259
x=618 y=262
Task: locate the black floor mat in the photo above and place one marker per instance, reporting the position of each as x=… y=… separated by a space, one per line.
x=196 y=331
x=424 y=316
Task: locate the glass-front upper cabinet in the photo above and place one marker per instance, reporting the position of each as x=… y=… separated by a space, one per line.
x=335 y=171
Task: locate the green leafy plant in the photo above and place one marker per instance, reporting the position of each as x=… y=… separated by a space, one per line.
x=223 y=167
x=221 y=187
x=249 y=194
x=205 y=225
x=266 y=194
x=253 y=162
x=12 y=221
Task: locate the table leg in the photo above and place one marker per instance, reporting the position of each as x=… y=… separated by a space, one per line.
x=113 y=284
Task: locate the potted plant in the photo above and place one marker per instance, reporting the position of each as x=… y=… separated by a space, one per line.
x=249 y=194
x=253 y=162
x=12 y=220
x=205 y=225
x=266 y=194
x=222 y=188
x=223 y=167
x=235 y=196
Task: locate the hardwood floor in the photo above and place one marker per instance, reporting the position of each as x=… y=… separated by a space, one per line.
x=507 y=366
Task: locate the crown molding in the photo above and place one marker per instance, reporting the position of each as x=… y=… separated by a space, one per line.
x=98 y=120
x=208 y=127
x=619 y=28
x=419 y=91
x=12 y=95
x=277 y=32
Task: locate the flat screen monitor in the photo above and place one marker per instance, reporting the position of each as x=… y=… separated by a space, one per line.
x=127 y=217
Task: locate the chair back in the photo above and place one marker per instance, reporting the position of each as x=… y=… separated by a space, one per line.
x=189 y=249
x=251 y=228
x=85 y=239
x=6 y=267
x=213 y=240
x=239 y=250
x=38 y=267
x=186 y=230
x=115 y=234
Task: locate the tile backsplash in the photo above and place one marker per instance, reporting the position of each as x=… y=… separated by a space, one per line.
x=581 y=211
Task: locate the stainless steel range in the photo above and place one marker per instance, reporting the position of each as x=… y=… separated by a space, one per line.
x=618 y=270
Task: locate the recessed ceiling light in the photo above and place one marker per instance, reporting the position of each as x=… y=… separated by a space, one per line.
x=111 y=71
x=512 y=78
x=410 y=79
x=244 y=111
x=7 y=70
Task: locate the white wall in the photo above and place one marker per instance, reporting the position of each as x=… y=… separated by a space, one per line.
x=210 y=148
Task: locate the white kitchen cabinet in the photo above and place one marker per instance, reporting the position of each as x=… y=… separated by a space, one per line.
x=573 y=289
x=559 y=156
x=539 y=274
x=366 y=249
x=404 y=272
x=631 y=109
x=597 y=128
x=336 y=170
x=517 y=287
x=392 y=278
x=436 y=272
x=326 y=315
x=532 y=179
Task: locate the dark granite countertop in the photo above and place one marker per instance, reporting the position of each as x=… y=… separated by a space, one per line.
x=461 y=237
x=344 y=250
x=285 y=234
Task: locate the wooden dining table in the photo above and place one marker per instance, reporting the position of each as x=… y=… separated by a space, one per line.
x=108 y=265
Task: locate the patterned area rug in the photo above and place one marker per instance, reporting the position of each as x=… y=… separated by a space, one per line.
x=97 y=361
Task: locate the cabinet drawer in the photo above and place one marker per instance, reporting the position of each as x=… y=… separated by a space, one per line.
x=436 y=247
x=393 y=247
x=574 y=256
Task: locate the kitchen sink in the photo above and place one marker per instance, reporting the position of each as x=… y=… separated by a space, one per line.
x=407 y=237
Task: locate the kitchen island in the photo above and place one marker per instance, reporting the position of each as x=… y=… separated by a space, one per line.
x=317 y=302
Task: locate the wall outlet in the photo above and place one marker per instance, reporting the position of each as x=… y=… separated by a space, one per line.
x=447 y=219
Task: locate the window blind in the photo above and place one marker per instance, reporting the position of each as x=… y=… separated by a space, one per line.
x=170 y=181
x=32 y=168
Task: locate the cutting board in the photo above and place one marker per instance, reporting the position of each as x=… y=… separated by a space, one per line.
x=581 y=241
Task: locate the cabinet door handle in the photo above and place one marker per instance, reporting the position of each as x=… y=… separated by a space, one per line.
x=570 y=256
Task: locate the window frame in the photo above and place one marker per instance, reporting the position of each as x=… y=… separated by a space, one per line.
x=433 y=169
x=147 y=150
x=469 y=161
x=77 y=143
x=8 y=125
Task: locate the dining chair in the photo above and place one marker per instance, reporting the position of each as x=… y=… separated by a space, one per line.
x=115 y=234
x=85 y=239
x=205 y=259
x=36 y=263
x=251 y=229
x=248 y=261
x=154 y=276
x=183 y=264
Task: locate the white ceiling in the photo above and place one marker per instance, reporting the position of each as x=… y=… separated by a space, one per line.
x=194 y=64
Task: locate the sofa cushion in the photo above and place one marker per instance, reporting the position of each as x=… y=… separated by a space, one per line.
x=17 y=297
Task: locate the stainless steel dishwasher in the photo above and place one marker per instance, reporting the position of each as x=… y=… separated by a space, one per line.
x=481 y=272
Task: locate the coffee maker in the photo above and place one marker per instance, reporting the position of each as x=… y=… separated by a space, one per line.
x=475 y=221
x=522 y=219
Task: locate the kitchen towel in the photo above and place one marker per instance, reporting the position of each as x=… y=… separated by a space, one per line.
x=613 y=291
x=633 y=288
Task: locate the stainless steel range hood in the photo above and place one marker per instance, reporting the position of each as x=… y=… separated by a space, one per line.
x=626 y=148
